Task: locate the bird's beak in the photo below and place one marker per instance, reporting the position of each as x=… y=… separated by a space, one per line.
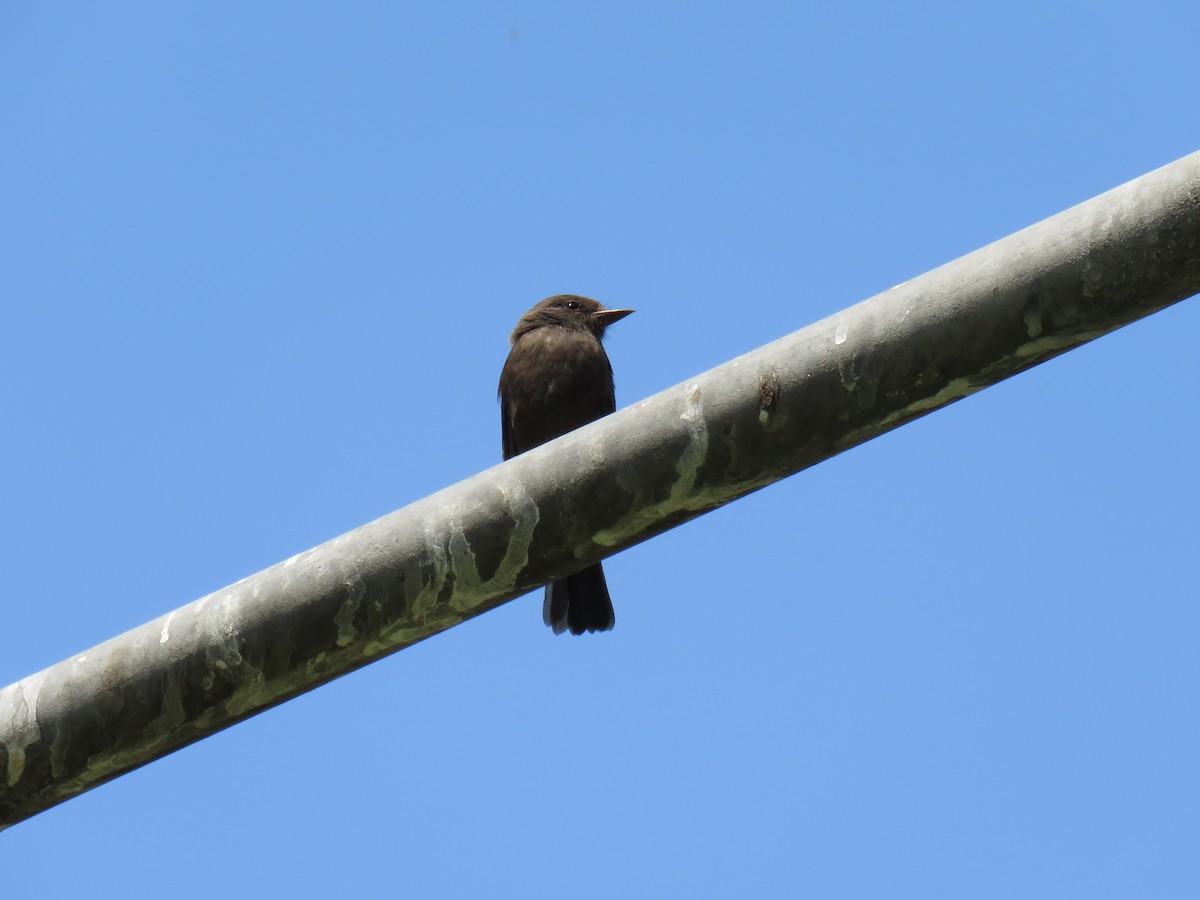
x=607 y=316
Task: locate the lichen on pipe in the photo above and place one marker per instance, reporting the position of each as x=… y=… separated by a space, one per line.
x=563 y=506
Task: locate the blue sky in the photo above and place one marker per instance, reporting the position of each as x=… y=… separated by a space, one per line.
x=260 y=264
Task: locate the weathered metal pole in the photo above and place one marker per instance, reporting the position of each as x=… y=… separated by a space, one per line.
x=649 y=467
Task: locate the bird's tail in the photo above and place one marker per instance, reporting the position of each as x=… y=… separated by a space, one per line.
x=579 y=603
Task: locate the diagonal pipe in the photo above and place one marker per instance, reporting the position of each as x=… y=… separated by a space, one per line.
x=716 y=437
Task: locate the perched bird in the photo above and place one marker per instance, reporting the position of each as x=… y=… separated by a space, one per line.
x=557 y=377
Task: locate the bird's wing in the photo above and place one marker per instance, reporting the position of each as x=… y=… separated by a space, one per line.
x=510 y=445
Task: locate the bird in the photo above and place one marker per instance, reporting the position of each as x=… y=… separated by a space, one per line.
x=557 y=378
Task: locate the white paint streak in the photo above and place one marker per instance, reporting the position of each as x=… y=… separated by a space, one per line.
x=839 y=336
x=525 y=512
x=165 y=634
x=1055 y=343
x=682 y=494
x=1033 y=323
x=344 y=618
x=18 y=710
x=221 y=622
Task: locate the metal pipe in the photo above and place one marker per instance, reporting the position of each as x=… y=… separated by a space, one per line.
x=649 y=467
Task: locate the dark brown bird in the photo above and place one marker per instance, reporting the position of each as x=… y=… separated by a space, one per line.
x=557 y=377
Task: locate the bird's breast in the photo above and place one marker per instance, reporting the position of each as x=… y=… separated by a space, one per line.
x=554 y=381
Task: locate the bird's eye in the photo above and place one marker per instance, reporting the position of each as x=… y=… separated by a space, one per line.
x=572 y=304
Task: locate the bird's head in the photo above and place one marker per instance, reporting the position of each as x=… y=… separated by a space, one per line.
x=569 y=311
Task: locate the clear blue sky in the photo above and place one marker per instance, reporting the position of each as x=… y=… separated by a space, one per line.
x=260 y=262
